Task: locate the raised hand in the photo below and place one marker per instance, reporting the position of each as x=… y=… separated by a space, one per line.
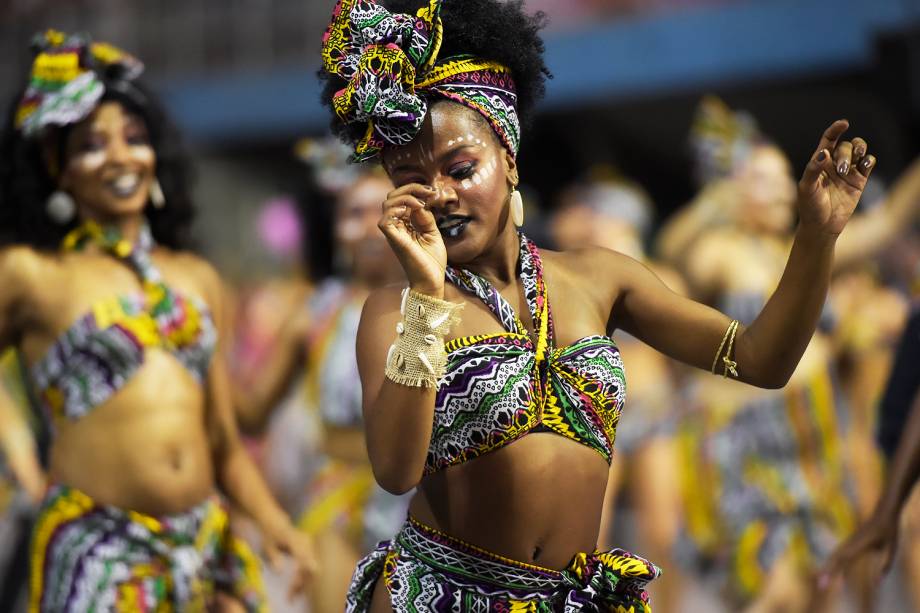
x=834 y=180
x=413 y=234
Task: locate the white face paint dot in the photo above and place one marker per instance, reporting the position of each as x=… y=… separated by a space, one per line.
x=142 y=153
x=466 y=184
x=469 y=137
x=477 y=178
x=91 y=161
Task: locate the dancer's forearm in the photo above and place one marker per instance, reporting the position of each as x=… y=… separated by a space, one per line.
x=770 y=349
x=17 y=444
x=241 y=481
x=905 y=468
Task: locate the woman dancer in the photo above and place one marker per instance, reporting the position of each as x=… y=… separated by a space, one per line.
x=118 y=330
x=774 y=460
x=505 y=419
x=338 y=504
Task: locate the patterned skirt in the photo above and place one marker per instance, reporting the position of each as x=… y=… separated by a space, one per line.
x=90 y=557
x=765 y=482
x=425 y=570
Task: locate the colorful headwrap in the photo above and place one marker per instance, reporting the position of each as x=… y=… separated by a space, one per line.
x=65 y=86
x=722 y=140
x=391 y=64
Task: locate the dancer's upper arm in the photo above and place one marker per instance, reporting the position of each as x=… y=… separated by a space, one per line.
x=766 y=352
x=398 y=419
x=18 y=267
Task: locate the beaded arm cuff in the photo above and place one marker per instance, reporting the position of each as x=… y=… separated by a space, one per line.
x=418 y=358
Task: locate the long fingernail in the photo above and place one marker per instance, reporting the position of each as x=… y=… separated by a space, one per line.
x=821 y=156
x=428 y=188
x=844 y=168
x=866 y=163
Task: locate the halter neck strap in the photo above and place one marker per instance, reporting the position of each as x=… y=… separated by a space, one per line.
x=109 y=239
x=530 y=269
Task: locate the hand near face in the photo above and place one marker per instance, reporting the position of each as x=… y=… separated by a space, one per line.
x=834 y=180
x=412 y=231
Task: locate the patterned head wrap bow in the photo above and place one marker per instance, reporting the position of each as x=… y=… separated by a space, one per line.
x=391 y=64
x=65 y=83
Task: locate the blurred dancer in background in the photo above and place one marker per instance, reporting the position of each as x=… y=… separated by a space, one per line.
x=899 y=435
x=766 y=472
x=117 y=327
x=617 y=214
x=331 y=489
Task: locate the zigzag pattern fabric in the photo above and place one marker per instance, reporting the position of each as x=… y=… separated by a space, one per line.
x=500 y=387
x=64 y=85
x=99 y=353
x=390 y=62
x=91 y=557
x=425 y=570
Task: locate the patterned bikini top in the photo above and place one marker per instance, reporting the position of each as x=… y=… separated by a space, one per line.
x=99 y=353
x=501 y=387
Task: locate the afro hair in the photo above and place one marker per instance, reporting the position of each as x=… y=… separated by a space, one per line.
x=496 y=30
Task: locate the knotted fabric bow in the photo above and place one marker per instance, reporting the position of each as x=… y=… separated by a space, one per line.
x=391 y=64
x=65 y=84
x=612 y=581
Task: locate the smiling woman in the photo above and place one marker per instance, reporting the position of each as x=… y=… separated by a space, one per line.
x=118 y=332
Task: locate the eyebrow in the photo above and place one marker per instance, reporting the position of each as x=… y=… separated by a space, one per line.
x=440 y=158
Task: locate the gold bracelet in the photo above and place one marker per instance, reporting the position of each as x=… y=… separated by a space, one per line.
x=728 y=332
x=730 y=365
x=418 y=358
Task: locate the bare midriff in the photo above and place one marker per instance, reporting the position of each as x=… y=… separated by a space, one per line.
x=145 y=449
x=537 y=500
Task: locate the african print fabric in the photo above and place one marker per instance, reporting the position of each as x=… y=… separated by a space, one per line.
x=765 y=481
x=90 y=557
x=391 y=64
x=65 y=86
x=100 y=352
x=500 y=387
x=425 y=570
x=337 y=497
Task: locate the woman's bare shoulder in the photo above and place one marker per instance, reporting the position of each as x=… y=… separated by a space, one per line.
x=21 y=266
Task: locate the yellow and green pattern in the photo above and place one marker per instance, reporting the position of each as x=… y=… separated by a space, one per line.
x=87 y=556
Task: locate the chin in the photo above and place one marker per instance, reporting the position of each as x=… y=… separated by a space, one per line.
x=122 y=208
x=462 y=249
